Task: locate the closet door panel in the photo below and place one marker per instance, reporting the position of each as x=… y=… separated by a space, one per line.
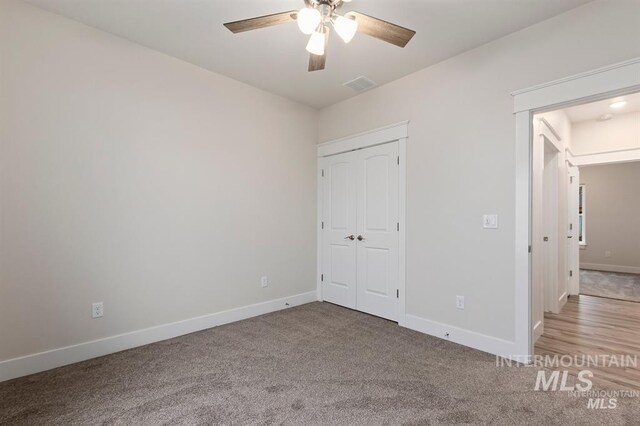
x=377 y=224
x=339 y=217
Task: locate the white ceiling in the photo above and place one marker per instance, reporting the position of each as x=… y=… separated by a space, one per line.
x=274 y=59
x=595 y=110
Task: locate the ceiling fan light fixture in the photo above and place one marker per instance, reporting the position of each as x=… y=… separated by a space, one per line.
x=346 y=27
x=316 y=42
x=317 y=18
x=308 y=20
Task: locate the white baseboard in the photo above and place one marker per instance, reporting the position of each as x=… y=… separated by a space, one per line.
x=562 y=300
x=610 y=268
x=538 y=329
x=35 y=363
x=482 y=342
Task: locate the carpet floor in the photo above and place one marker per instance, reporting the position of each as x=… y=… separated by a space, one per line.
x=311 y=364
x=613 y=285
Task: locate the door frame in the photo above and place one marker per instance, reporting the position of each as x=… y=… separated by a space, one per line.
x=395 y=132
x=573 y=260
x=614 y=80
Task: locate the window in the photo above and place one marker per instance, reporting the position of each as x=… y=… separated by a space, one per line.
x=581 y=215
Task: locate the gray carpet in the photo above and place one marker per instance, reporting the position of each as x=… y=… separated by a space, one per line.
x=312 y=364
x=613 y=285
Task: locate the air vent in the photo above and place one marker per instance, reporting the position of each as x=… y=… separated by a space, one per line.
x=360 y=84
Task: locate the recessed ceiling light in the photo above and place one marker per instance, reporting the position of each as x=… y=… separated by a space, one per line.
x=617 y=104
x=605 y=117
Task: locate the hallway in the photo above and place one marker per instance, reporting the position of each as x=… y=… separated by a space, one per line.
x=613 y=285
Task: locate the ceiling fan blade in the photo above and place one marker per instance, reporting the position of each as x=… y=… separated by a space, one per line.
x=386 y=31
x=261 y=22
x=317 y=62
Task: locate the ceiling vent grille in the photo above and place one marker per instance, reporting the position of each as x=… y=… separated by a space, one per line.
x=360 y=84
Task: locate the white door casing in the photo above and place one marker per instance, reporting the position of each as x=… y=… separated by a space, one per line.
x=573 y=244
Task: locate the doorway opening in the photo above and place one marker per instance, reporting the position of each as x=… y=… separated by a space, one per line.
x=617 y=79
x=585 y=232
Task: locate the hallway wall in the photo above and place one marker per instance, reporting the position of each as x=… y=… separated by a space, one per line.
x=612 y=218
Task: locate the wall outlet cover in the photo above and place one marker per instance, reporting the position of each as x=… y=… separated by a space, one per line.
x=460 y=302
x=264 y=282
x=97 y=310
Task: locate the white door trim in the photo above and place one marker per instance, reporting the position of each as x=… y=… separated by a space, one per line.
x=547 y=130
x=390 y=133
x=573 y=248
x=395 y=132
x=614 y=79
x=602 y=83
x=609 y=157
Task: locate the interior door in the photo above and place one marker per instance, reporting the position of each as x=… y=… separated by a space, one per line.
x=537 y=233
x=377 y=225
x=360 y=247
x=339 y=228
x=573 y=243
x=551 y=242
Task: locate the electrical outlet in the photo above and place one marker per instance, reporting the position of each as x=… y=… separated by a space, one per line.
x=97 y=310
x=460 y=302
x=607 y=253
x=264 y=282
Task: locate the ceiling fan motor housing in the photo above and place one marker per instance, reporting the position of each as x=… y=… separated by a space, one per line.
x=333 y=4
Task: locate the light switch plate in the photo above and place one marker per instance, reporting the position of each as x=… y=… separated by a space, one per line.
x=490 y=221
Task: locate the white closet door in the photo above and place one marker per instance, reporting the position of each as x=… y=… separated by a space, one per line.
x=339 y=217
x=377 y=230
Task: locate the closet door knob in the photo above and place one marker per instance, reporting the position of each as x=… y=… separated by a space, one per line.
x=350 y=237
x=360 y=238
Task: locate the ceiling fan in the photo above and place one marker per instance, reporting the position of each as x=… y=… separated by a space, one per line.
x=317 y=17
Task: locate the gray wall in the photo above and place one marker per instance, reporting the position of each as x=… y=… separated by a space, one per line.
x=461 y=154
x=134 y=178
x=612 y=216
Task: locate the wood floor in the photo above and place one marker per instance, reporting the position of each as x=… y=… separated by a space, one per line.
x=596 y=326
